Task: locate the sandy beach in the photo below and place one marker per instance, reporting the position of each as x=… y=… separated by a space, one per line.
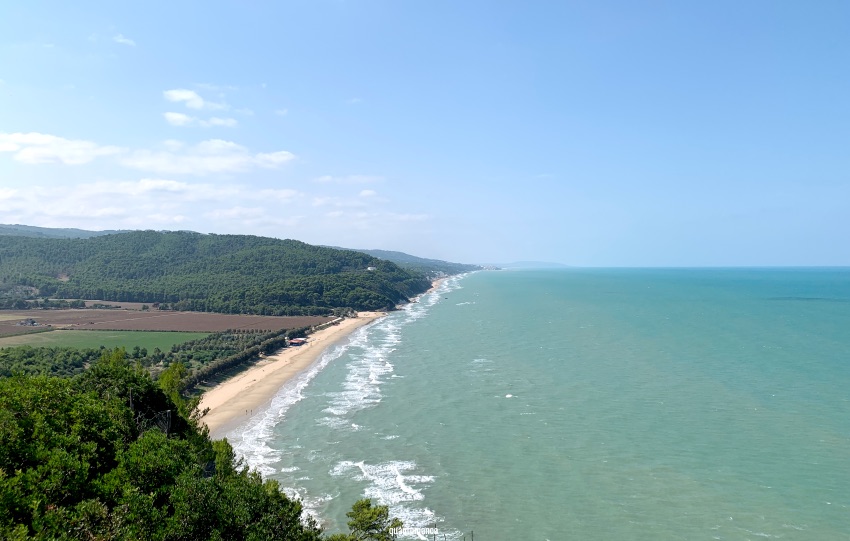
x=234 y=400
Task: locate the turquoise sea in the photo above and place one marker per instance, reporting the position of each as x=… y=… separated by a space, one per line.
x=583 y=404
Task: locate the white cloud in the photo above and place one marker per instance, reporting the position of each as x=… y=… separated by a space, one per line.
x=281 y=112
x=368 y=193
x=350 y=179
x=215 y=121
x=120 y=38
x=279 y=194
x=93 y=205
x=408 y=217
x=173 y=144
x=36 y=148
x=366 y=220
x=160 y=202
x=191 y=99
x=207 y=157
x=237 y=212
x=353 y=101
x=178 y=119
x=338 y=202
x=252 y=217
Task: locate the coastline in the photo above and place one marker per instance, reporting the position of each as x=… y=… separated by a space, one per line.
x=254 y=388
x=435 y=284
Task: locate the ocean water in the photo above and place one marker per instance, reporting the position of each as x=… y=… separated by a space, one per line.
x=583 y=404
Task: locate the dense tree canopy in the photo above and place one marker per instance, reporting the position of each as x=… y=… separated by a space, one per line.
x=216 y=273
x=108 y=455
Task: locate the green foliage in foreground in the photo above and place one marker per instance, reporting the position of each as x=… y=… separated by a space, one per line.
x=107 y=455
x=367 y=522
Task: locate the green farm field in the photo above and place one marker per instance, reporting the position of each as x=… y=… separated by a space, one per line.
x=95 y=339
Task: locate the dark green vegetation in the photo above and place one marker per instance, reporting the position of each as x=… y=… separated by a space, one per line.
x=213 y=273
x=47 y=361
x=202 y=358
x=369 y=522
x=95 y=339
x=111 y=455
x=432 y=268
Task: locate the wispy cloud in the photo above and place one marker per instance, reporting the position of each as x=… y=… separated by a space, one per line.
x=38 y=148
x=283 y=194
x=123 y=40
x=207 y=157
x=350 y=179
x=281 y=112
x=366 y=220
x=180 y=119
x=223 y=206
x=215 y=121
x=366 y=198
x=191 y=99
x=353 y=101
x=155 y=201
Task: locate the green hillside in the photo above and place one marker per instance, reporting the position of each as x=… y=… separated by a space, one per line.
x=432 y=268
x=49 y=232
x=216 y=273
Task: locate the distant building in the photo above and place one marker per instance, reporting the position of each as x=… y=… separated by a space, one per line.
x=371 y=268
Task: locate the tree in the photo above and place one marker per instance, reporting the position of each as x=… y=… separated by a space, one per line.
x=369 y=523
x=171 y=382
x=80 y=461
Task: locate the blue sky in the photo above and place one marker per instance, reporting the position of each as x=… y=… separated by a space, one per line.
x=589 y=133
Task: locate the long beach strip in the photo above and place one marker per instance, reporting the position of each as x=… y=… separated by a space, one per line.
x=233 y=401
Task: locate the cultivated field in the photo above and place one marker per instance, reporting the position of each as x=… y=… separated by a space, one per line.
x=14 y=330
x=154 y=320
x=95 y=339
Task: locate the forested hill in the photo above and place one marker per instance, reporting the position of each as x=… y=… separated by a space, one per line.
x=49 y=232
x=217 y=273
x=432 y=268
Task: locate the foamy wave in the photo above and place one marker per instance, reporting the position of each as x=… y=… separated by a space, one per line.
x=395 y=485
x=250 y=441
x=311 y=505
x=367 y=370
x=370 y=366
x=391 y=484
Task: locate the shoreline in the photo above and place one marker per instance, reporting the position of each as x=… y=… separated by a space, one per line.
x=435 y=284
x=255 y=387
